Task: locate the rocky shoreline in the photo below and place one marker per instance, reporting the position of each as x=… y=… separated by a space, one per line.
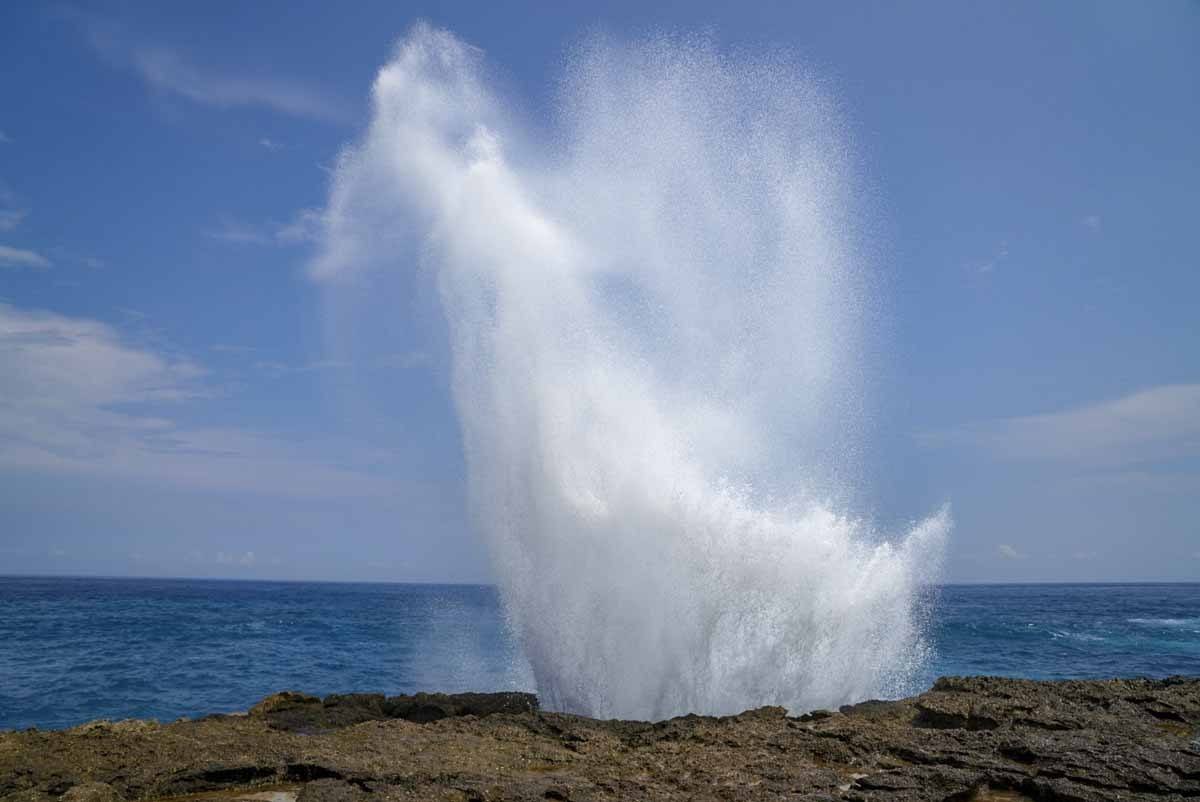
x=973 y=738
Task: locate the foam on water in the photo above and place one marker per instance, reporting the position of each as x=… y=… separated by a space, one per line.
x=1166 y=622
x=656 y=316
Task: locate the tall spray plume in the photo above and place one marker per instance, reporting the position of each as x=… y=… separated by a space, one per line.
x=656 y=310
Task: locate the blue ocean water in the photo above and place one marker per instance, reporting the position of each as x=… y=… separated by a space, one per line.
x=74 y=649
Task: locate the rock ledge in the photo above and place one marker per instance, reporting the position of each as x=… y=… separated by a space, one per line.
x=967 y=738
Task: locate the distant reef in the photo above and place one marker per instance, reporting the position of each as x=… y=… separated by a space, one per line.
x=975 y=738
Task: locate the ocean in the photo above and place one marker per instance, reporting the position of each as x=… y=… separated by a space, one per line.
x=76 y=649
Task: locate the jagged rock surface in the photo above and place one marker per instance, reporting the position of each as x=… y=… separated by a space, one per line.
x=966 y=739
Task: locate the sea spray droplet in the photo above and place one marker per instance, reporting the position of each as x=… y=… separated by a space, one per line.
x=655 y=321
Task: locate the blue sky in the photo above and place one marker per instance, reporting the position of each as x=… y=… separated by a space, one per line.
x=178 y=397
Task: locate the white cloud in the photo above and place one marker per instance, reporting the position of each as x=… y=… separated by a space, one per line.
x=166 y=70
x=79 y=397
x=16 y=257
x=73 y=362
x=270 y=144
x=1008 y=552
x=1157 y=423
x=1092 y=221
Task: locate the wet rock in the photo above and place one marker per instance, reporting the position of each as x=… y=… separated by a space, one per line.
x=295 y=712
x=284 y=701
x=424 y=707
x=816 y=715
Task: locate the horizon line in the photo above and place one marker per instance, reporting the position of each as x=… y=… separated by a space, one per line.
x=441 y=583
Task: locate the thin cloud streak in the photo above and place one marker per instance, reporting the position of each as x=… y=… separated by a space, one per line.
x=10 y=218
x=275 y=370
x=239 y=233
x=306 y=227
x=164 y=69
x=167 y=70
x=12 y=213
x=989 y=265
x=1158 y=423
x=17 y=257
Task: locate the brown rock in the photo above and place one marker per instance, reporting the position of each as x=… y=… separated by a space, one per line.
x=90 y=792
x=968 y=738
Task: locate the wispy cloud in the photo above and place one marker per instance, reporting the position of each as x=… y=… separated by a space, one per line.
x=16 y=257
x=11 y=210
x=166 y=69
x=270 y=144
x=275 y=369
x=10 y=217
x=985 y=266
x=245 y=559
x=129 y=313
x=60 y=254
x=1157 y=423
x=240 y=233
x=1008 y=552
x=227 y=348
x=1092 y=221
x=404 y=360
x=304 y=227
x=78 y=396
